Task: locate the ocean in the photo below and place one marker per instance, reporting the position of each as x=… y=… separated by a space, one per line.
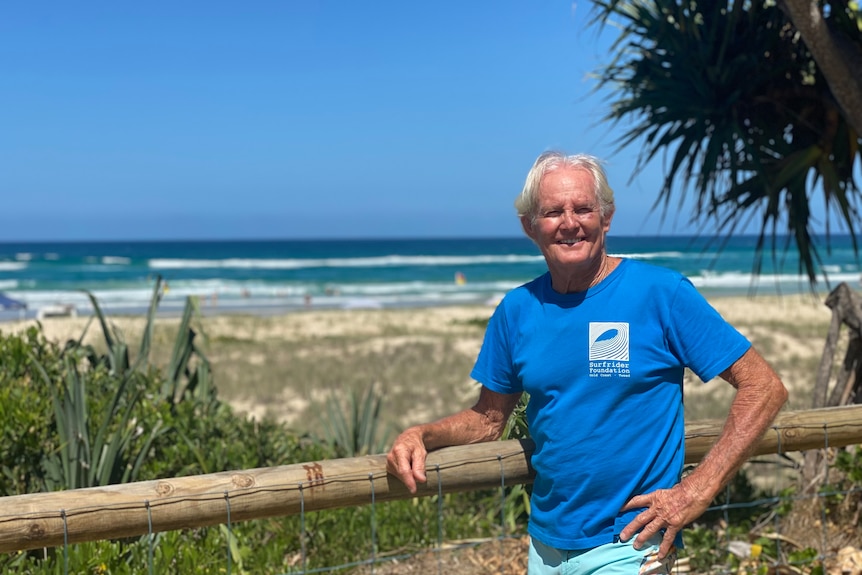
x=275 y=276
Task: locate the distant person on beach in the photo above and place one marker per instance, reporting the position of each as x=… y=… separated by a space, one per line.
x=600 y=345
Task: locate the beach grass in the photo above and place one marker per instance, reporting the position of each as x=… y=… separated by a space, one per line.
x=287 y=366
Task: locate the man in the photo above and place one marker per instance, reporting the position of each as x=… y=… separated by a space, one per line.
x=601 y=343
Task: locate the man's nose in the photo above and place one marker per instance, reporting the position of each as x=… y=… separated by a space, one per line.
x=569 y=218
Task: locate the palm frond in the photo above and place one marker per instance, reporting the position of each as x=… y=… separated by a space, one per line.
x=731 y=100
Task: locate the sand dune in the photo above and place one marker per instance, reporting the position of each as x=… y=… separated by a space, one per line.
x=288 y=366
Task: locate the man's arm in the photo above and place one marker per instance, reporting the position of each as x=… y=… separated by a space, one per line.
x=759 y=396
x=484 y=421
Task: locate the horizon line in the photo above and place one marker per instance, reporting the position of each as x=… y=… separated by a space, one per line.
x=822 y=235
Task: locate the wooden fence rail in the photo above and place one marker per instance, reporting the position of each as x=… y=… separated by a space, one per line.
x=115 y=511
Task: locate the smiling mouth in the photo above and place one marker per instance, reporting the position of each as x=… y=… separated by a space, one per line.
x=571 y=242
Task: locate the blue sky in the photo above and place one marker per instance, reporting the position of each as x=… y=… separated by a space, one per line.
x=294 y=119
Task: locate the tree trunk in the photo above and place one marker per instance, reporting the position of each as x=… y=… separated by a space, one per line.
x=846 y=308
x=824 y=372
x=838 y=57
x=846 y=386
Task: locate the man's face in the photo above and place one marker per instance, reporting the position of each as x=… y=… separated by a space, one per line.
x=568 y=227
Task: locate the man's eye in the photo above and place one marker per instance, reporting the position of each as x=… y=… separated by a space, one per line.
x=584 y=211
x=552 y=213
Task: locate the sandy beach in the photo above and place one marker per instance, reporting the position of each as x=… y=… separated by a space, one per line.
x=288 y=366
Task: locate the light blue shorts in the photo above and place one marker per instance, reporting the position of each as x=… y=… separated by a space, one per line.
x=619 y=558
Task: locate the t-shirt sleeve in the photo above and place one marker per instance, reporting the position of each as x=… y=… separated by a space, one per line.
x=494 y=367
x=704 y=341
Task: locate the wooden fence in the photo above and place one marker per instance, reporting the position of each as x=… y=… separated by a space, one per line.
x=115 y=511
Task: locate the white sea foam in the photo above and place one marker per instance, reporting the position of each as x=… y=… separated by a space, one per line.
x=651 y=255
x=383 y=261
x=234 y=294
x=116 y=261
x=737 y=281
x=251 y=295
x=12 y=266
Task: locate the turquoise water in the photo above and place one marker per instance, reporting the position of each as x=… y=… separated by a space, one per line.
x=281 y=275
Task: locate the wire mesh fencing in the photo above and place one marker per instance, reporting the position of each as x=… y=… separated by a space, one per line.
x=789 y=511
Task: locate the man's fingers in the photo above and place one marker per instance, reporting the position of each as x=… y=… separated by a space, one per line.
x=419 y=466
x=632 y=529
x=405 y=471
x=667 y=543
x=640 y=520
x=665 y=514
x=636 y=502
x=650 y=528
x=408 y=465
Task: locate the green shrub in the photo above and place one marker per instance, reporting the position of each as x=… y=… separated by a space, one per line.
x=27 y=432
x=73 y=417
x=849 y=462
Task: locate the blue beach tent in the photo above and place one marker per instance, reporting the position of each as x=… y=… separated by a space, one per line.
x=7 y=302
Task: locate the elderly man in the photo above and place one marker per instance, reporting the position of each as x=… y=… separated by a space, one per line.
x=600 y=344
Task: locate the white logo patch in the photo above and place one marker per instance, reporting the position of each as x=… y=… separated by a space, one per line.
x=609 y=340
x=609 y=349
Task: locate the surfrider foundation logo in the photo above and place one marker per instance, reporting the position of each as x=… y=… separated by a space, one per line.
x=609 y=349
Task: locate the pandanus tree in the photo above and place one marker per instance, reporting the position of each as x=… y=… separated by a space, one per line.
x=731 y=99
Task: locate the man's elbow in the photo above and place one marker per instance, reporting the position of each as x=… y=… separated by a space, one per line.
x=785 y=395
x=491 y=431
x=778 y=393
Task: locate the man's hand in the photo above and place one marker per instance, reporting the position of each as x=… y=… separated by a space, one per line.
x=759 y=396
x=668 y=509
x=484 y=421
x=406 y=459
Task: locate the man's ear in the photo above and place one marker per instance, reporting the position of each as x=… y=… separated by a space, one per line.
x=527 y=225
x=606 y=224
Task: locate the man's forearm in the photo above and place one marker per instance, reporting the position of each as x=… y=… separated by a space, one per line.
x=467 y=426
x=752 y=412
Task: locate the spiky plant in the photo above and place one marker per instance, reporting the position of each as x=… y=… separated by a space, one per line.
x=730 y=98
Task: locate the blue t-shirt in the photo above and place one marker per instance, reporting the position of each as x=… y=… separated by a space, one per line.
x=604 y=371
